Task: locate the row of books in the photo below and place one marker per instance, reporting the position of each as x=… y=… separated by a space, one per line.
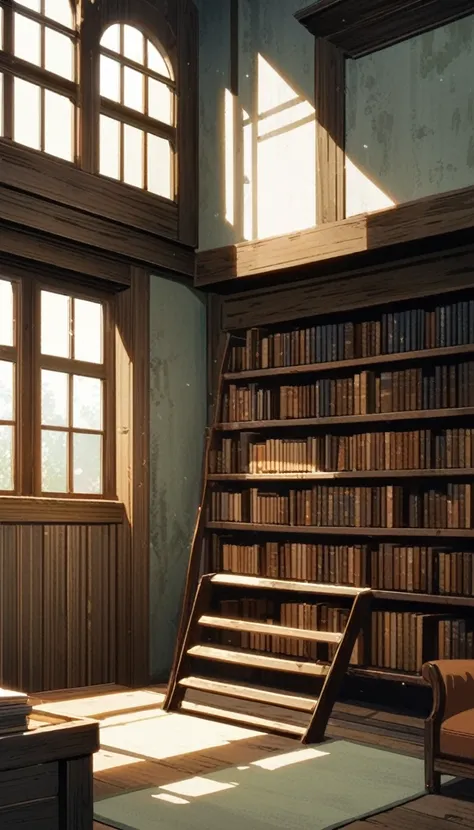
x=387 y=506
x=14 y=711
x=420 y=449
x=423 y=569
x=395 y=640
x=366 y=392
x=447 y=324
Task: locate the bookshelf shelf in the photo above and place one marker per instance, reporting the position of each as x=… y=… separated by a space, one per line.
x=305 y=530
x=346 y=475
x=354 y=420
x=336 y=365
x=429 y=599
x=373 y=673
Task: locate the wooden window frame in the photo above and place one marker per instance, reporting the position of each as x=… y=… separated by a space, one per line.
x=29 y=361
x=13 y=67
x=143 y=121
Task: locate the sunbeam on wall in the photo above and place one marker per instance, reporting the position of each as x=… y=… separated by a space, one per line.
x=277 y=174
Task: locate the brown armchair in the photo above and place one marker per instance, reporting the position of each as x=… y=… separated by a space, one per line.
x=449 y=730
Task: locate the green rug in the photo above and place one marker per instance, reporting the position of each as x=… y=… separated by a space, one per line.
x=312 y=788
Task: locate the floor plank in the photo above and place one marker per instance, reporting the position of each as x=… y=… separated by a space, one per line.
x=401 y=732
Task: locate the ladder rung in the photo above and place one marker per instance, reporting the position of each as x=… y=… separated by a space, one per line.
x=242 y=719
x=235 y=580
x=269 y=628
x=258 y=661
x=252 y=693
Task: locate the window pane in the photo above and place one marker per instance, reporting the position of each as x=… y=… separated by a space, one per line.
x=6 y=457
x=34 y=5
x=58 y=125
x=59 y=54
x=1 y=27
x=88 y=327
x=109 y=78
x=55 y=322
x=6 y=313
x=133 y=155
x=1 y=99
x=27 y=114
x=87 y=403
x=133 y=44
x=133 y=82
x=160 y=99
x=54 y=398
x=111 y=38
x=156 y=61
x=60 y=11
x=6 y=390
x=27 y=39
x=159 y=166
x=54 y=461
x=109 y=164
x=87 y=463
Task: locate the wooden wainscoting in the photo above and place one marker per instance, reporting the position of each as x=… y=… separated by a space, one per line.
x=61 y=624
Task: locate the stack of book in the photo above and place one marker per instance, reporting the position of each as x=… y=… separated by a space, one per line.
x=14 y=711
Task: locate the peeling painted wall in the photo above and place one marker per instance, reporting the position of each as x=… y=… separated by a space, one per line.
x=177 y=423
x=410 y=119
x=268 y=28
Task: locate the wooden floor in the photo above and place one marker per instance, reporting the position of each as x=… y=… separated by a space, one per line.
x=351 y=721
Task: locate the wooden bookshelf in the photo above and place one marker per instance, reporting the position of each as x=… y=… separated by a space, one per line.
x=335 y=365
x=354 y=420
x=351 y=413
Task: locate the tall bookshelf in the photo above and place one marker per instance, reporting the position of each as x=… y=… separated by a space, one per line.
x=344 y=454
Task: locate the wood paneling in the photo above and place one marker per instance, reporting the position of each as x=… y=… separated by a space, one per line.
x=40 y=215
x=47 y=177
x=432 y=216
x=359 y=27
x=358 y=289
x=188 y=110
x=330 y=103
x=58 y=610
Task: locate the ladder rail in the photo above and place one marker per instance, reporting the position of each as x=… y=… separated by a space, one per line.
x=194 y=563
x=338 y=668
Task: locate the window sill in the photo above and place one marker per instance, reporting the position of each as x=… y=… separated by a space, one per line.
x=44 y=510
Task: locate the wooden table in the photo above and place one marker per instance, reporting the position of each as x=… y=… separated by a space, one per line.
x=46 y=775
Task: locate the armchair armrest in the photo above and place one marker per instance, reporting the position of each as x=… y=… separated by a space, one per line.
x=452 y=682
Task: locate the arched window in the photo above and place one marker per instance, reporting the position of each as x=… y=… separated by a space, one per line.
x=137 y=111
x=38 y=90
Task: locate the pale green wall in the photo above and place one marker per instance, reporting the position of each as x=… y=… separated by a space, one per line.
x=177 y=425
x=410 y=117
x=409 y=114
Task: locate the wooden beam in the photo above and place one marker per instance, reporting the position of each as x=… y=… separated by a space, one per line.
x=50 y=178
x=415 y=221
x=32 y=510
x=391 y=282
x=71 y=260
x=330 y=102
x=360 y=27
x=59 y=221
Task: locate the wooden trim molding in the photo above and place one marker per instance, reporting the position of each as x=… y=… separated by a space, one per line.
x=43 y=216
x=347 y=291
x=43 y=510
x=359 y=27
x=330 y=103
x=447 y=213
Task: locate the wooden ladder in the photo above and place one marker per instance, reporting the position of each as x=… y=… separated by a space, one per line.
x=195 y=651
